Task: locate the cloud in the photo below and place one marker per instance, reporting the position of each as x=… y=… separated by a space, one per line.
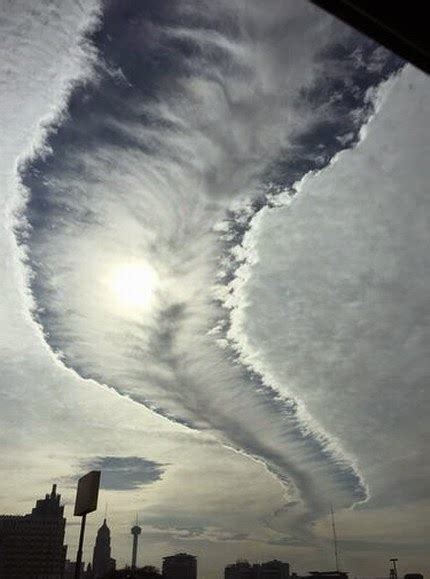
x=290 y=541
x=139 y=162
x=37 y=85
x=127 y=472
x=331 y=303
x=198 y=533
x=183 y=126
x=386 y=547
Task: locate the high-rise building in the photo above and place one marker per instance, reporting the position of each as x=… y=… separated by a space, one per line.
x=242 y=569
x=102 y=560
x=180 y=566
x=32 y=545
x=274 y=570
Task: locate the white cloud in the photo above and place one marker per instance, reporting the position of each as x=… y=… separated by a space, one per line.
x=334 y=305
x=155 y=190
x=116 y=189
x=51 y=420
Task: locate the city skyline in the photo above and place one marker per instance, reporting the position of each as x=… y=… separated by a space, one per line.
x=214 y=269
x=101 y=562
x=48 y=513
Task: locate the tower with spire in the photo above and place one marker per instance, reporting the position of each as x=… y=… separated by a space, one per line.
x=135 y=531
x=102 y=560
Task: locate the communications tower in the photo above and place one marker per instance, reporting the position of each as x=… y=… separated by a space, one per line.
x=135 y=531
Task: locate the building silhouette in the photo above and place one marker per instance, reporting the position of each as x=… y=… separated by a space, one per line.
x=32 y=545
x=146 y=572
x=242 y=569
x=135 y=531
x=180 y=566
x=325 y=575
x=69 y=569
x=274 y=570
x=102 y=560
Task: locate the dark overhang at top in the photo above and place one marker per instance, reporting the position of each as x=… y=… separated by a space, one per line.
x=400 y=26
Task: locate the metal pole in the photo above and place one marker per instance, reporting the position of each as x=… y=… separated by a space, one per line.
x=333 y=526
x=81 y=543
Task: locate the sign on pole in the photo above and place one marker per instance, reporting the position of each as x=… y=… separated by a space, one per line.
x=87 y=493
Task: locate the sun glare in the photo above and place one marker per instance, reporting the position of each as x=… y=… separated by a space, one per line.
x=134 y=285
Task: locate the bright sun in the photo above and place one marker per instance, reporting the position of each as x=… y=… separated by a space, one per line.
x=134 y=285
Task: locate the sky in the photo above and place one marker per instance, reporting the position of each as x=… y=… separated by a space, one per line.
x=214 y=264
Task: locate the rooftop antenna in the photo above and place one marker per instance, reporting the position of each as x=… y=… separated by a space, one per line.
x=393 y=571
x=106 y=509
x=333 y=526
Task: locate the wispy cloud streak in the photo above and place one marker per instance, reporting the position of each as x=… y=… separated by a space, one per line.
x=196 y=111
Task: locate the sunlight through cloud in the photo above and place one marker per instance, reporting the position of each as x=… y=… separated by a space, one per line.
x=133 y=286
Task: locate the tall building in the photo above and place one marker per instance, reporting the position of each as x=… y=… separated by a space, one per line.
x=32 y=545
x=274 y=570
x=180 y=566
x=135 y=531
x=242 y=569
x=102 y=560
